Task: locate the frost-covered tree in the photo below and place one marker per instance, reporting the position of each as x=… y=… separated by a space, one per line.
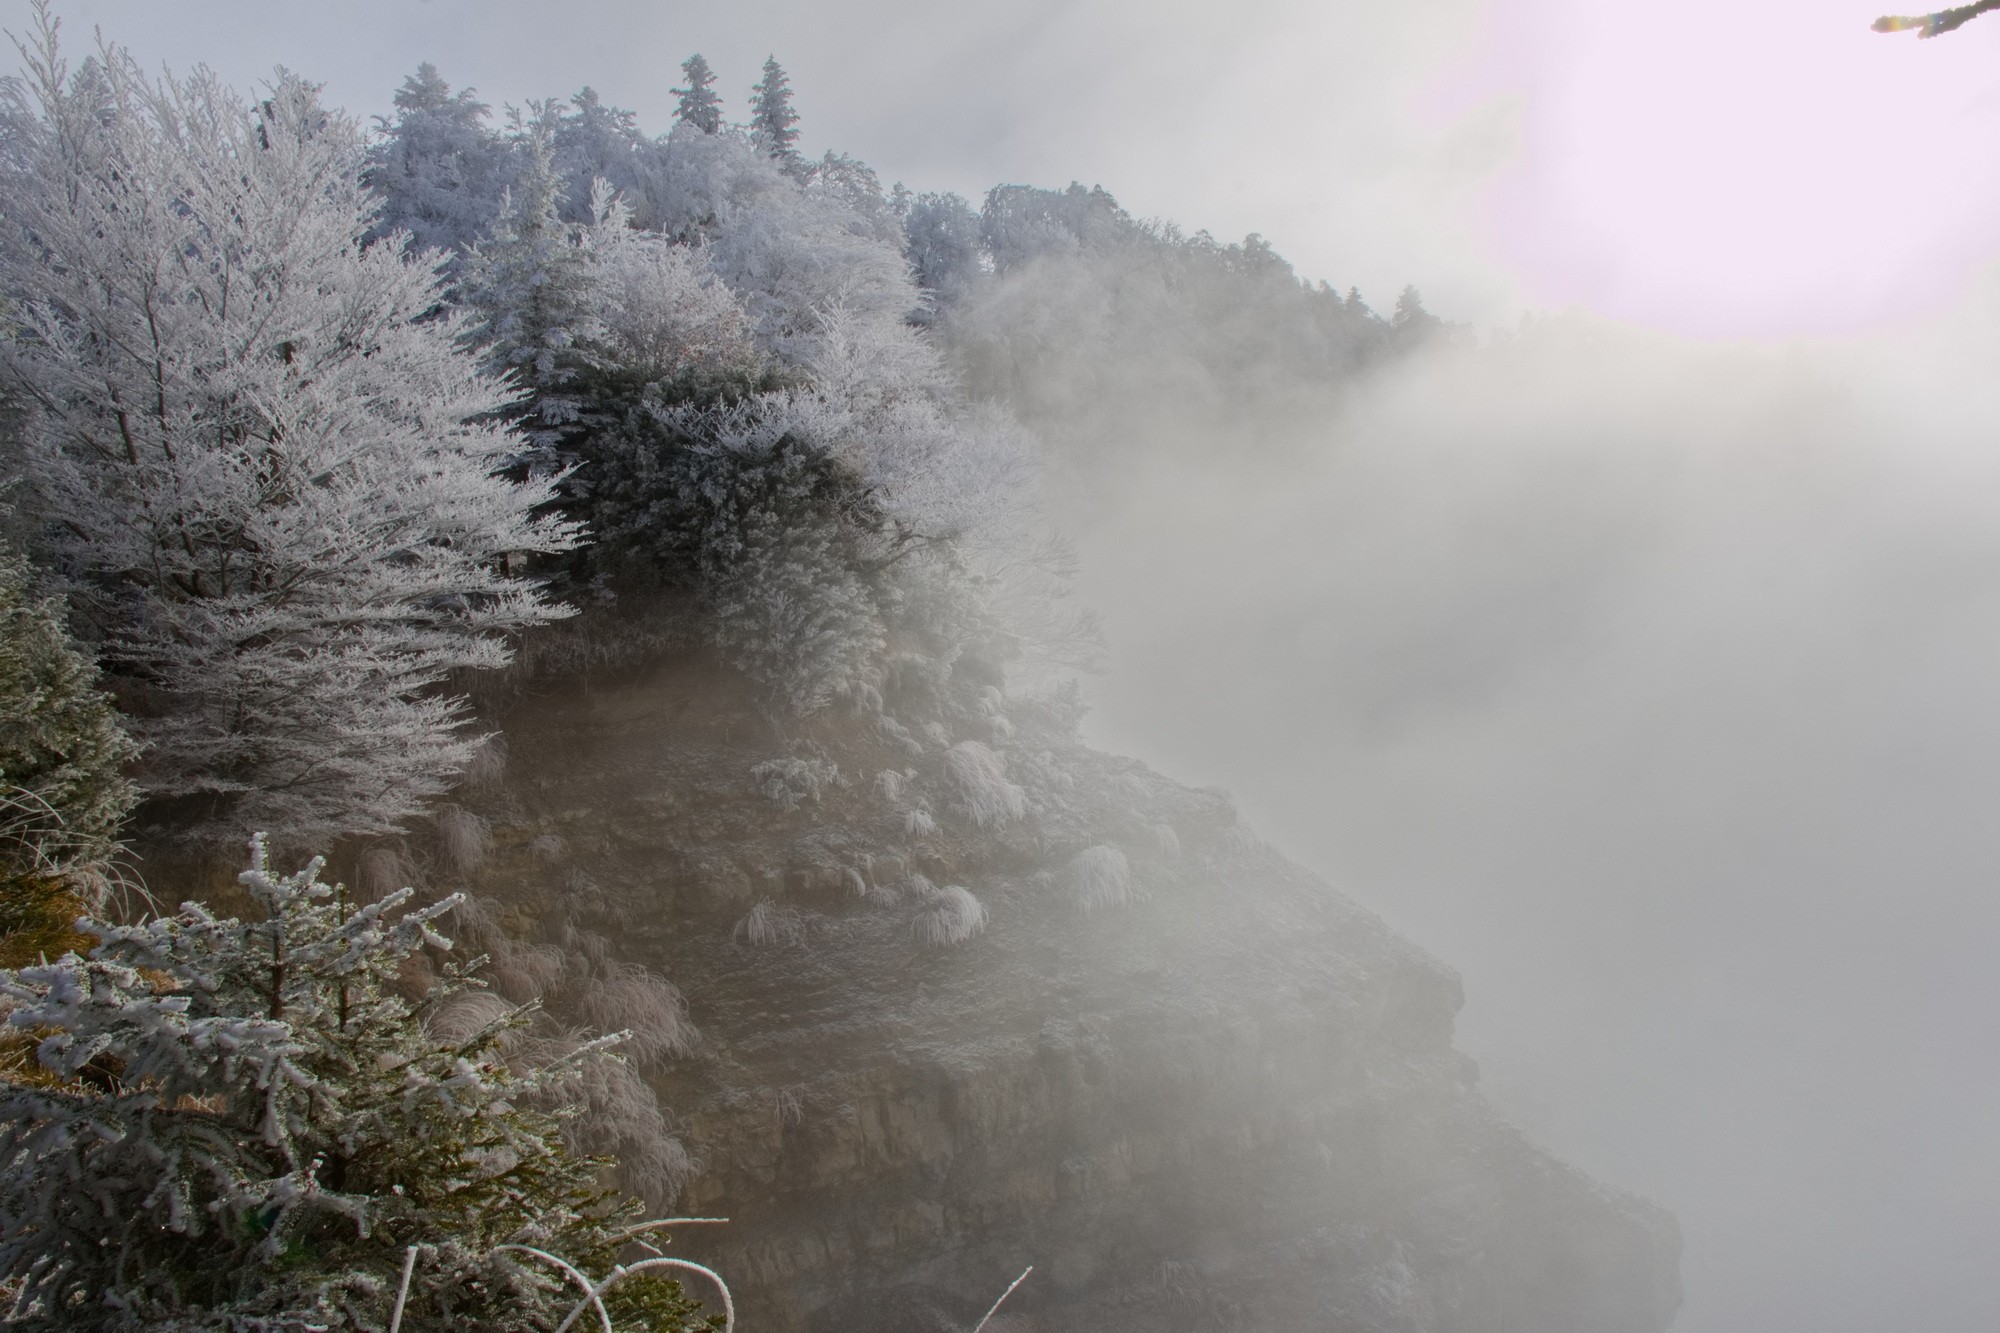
x=942 y=241
x=214 y=1123
x=773 y=122
x=61 y=748
x=699 y=105
x=437 y=167
x=590 y=142
x=63 y=792
x=266 y=464
x=528 y=285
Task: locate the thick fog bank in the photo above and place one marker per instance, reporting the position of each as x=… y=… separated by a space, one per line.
x=1657 y=688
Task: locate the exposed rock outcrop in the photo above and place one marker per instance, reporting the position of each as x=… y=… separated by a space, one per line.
x=1215 y=1094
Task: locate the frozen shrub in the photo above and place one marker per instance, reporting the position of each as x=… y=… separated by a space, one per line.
x=980 y=778
x=768 y=923
x=548 y=847
x=463 y=837
x=951 y=915
x=788 y=783
x=1099 y=877
x=1165 y=841
x=919 y=824
x=890 y=784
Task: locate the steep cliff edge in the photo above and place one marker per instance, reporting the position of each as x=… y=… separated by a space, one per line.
x=1210 y=1092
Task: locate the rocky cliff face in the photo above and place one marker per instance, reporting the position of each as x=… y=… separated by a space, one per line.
x=1208 y=1093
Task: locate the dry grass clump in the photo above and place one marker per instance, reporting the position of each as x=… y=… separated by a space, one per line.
x=980 y=778
x=769 y=923
x=488 y=765
x=1100 y=877
x=951 y=915
x=380 y=871
x=463 y=837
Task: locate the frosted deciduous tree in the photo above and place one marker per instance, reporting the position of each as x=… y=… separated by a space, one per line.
x=699 y=105
x=265 y=463
x=942 y=241
x=213 y=1123
x=773 y=122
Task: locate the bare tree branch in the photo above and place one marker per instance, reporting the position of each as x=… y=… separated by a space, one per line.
x=1930 y=25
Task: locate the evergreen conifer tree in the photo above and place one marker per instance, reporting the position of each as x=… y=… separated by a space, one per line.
x=213 y=1123
x=699 y=104
x=437 y=167
x=63 y=793
x=773 y=123
x=528 y=286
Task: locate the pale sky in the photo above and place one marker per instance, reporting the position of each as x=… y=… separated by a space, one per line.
x=1710 y=166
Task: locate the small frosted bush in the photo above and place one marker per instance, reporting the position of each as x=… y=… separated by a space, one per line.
x=1165 y=841
x=1099 y=877
x=981 y=781
x=951 y=915
x=919 y=824
x=767 y=924
x=791 y=782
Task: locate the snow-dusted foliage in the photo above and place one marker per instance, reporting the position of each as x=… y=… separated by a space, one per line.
x=794 y=780
x=63 y=793
x=662 y=313
x=437 y=168
x=216 y=1123
x=944 y=245
x=979 y=779
x=1099 y=877
x=1074 y=304
x=264 y=461
x=790 y=251
x=528 y=284
x=950 y=915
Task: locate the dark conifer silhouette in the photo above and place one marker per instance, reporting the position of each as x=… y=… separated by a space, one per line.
x=773 y=123
x=699 y=105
